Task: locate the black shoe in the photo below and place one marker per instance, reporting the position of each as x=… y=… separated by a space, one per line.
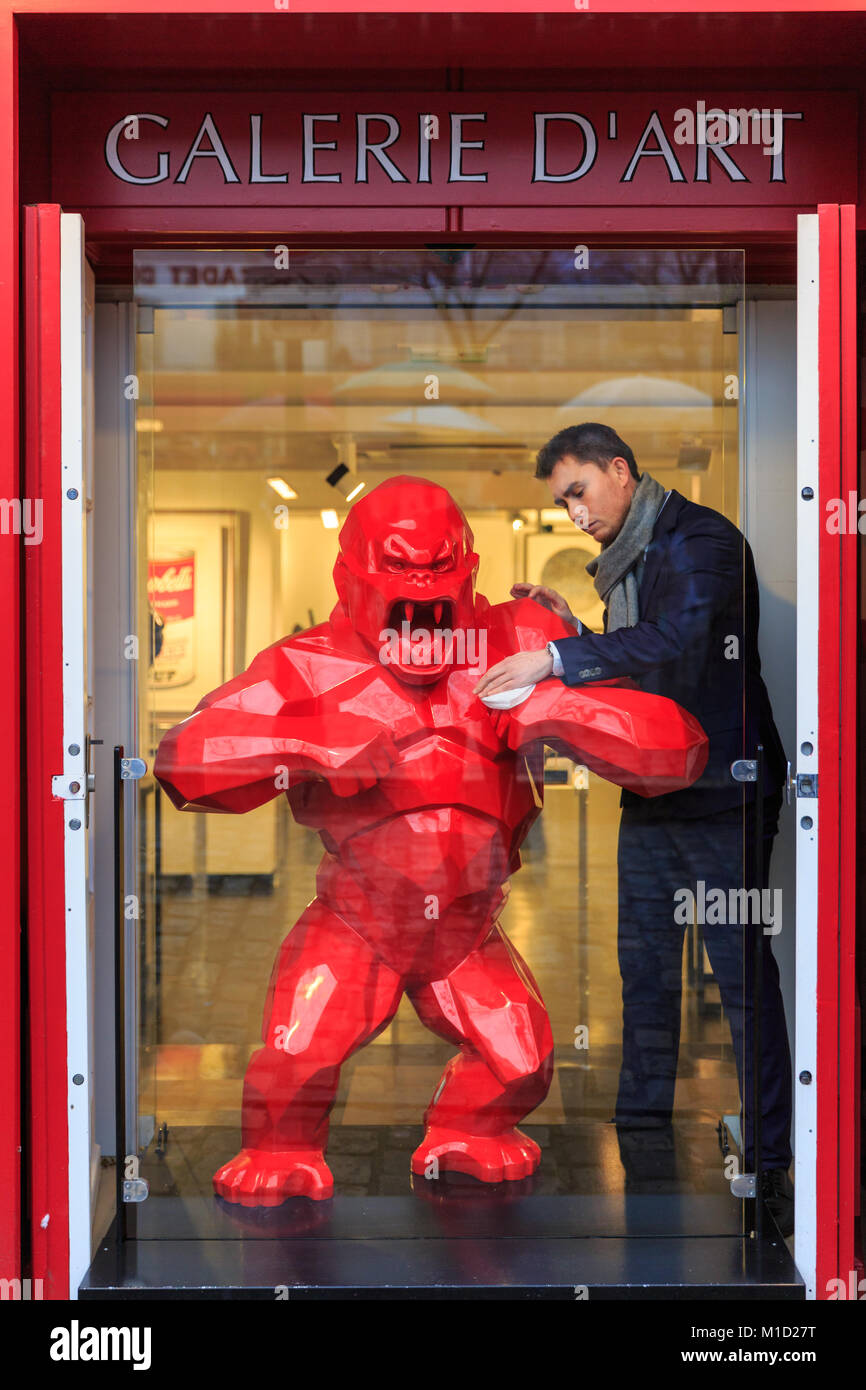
x=777 y=1192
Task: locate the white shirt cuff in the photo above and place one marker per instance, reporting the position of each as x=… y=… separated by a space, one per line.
x=558 y=668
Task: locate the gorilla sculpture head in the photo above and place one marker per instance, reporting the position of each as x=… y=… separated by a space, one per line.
x=406 y=575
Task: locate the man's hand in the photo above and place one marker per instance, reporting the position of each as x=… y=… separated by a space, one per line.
x=548 y=598
x=523 y=668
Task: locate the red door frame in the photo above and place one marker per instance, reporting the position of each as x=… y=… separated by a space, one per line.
x=43 y=580
x=836 y=1032
x=10 y=644
x=837 y=1182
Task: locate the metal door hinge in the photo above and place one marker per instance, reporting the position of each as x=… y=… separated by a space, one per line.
x=135 y=1189
x=132 y=768
x=68 y=788
x=798 y=784
x=744 y=1185
x=75 y=785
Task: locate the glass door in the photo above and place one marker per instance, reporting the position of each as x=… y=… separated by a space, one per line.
x=380 y=993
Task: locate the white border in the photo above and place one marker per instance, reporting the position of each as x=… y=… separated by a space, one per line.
x=808 y=532
x=78 y=1052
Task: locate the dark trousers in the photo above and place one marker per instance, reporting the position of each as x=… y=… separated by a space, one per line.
x=656 y=860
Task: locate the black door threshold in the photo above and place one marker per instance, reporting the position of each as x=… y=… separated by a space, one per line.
x=614 y=1267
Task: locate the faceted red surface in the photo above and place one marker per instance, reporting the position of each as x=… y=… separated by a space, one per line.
x=422 y=797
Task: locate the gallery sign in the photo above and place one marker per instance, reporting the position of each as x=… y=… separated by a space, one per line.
x=552 y=149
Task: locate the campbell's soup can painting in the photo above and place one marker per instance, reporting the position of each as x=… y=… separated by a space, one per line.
x=171 y=593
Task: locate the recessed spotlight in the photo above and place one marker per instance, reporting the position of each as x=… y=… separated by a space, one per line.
x=282 y=489
x=330 y=520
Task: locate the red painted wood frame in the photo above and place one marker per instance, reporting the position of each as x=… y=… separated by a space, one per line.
x=43 y=580
x=491 y=7
x=837 y=652
x=10 y=639
x=837 y=1111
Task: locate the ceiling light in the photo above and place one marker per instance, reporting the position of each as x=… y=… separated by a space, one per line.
x=405 y=378
x=282 y=489
x=640 y=390
x=144 y=425
x=336 y=476
x=345 y=479
x=517 y=523
x=330 y=520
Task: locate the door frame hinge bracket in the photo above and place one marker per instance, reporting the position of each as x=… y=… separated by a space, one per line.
x=136 y=1189
x=744 y=1185
x=75 y=785
x=71 y=787
x=131 y=769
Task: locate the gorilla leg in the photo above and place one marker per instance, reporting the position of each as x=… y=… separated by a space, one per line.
x=491 y=1006
x=329 y=994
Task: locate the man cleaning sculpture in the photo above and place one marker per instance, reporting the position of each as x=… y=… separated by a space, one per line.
x=422 y=796
x=681 y=601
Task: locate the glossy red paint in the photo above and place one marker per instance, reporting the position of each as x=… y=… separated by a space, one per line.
x=43 y=580
x=10 y=693
x=88 y=43
x=422 y=797
x=837 y=647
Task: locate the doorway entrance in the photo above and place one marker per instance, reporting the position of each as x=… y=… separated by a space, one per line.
x=268 y=392
x=239 y=415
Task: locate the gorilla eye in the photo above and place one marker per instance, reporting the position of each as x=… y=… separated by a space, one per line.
x=441 y=565
x=394 y=564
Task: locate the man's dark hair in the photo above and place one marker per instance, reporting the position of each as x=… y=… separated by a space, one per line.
x=588 y=443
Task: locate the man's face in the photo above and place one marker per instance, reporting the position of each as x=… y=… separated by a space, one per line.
x=596 y=499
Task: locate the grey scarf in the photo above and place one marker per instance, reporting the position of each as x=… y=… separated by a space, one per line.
x=614 y=569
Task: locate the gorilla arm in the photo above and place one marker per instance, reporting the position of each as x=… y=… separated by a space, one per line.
x=646 y=743
x=266 y=730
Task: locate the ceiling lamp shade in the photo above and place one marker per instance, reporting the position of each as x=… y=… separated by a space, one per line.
x=408 y=377
x=639 y=390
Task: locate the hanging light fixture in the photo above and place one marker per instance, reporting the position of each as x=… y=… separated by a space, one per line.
x=345 y=476
x=345 y=482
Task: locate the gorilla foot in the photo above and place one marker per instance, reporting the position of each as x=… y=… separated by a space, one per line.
x=488 y=1157
x=265 y=1178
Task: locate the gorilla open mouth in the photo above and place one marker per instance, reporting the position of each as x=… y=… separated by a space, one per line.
x=424 y=636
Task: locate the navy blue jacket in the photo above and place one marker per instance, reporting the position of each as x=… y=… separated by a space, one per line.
x=696 y=641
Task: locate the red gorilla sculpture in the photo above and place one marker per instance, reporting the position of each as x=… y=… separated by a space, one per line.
x=422 y=797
